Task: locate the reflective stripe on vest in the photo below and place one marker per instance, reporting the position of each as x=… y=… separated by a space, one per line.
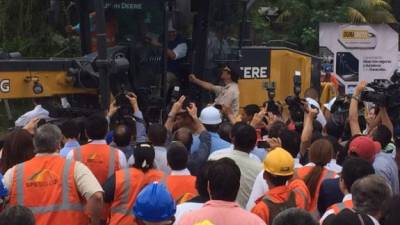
x=122 y=207
x=65 y=205
x=301 y=193
x=111 y=167
x=329 y=175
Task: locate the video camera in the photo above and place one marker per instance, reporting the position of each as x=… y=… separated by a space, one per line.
x=270 y=87
x=386 y=93
x=295 y=103
x=124 y=114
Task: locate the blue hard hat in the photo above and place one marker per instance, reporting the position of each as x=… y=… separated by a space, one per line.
x=3 y=190
x=154 y=204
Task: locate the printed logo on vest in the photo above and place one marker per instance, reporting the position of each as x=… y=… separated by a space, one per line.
x=94 y=159
x=43 y=178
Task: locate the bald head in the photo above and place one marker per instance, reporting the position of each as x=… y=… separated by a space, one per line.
x=184 y=135
x=122 y=135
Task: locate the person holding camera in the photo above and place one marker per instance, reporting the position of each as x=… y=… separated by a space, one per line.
x=227 y=95
x=383 y=163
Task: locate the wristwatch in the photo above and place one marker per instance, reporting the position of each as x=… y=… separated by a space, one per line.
x=356 y=97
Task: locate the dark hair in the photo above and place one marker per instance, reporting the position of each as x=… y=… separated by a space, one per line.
x=96 y=127
x=177 y=156
x=294 y=216
x=212 y=128
x=202 y=179
x=70 y=129
x=144 y=152
x=337 y=147
x=320 y=153
x=235 y=70
x=17 y=215
x=244 y=137
x=157 y=134
x=290 y=141
x=355 y=168
x=276 y=128
x=277 y=180
x=224 y=180
x=311 y=93
x=224 y=131
x=184 y=135
x=317 y=126
x=251 y=109
x=390 y=212
x=383 y=135
x=343 y=153
x=122 y=135
x=18 y=147
x=334 y=130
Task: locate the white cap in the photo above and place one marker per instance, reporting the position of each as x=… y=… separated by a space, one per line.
x=329 y=105
x=210 y=116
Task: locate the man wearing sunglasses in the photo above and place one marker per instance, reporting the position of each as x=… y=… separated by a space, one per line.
x=226 y=95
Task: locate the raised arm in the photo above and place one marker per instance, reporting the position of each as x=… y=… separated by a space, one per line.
x=307 y=130
x=169 y=124
x=203 y=84
x=353 y=110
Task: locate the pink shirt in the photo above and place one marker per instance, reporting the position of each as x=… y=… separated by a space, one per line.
x=221 y=213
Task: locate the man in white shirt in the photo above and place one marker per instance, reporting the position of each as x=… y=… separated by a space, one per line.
x=244 y=139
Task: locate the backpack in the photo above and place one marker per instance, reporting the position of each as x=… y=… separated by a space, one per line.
x=276 y=208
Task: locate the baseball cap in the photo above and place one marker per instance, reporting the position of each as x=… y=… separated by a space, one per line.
x=365 y=148
x=210 y=116
x=279 y=162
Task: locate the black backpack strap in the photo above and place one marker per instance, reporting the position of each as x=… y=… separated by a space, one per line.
x=275 y=208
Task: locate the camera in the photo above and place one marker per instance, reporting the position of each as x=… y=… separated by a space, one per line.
x=124 y=114
x=295 y=103
x=271 y=90
x=384 y=93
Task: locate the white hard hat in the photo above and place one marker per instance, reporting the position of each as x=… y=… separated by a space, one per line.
x=210 y=116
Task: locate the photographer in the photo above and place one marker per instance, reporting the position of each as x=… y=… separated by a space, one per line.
x=384 y=164
x=128 y=114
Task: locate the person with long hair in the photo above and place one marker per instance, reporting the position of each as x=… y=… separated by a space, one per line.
x=122 y=188
x=17 y=148
x=320 y=154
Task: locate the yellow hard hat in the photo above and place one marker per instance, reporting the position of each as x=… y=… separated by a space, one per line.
x=204 y=222
x=279 y=162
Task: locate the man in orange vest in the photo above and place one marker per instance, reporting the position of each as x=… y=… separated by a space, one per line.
x=279 y=169
x=180 y=182
x=52 y=187
x=122 y=188
x=102 y=159
x=354 y=168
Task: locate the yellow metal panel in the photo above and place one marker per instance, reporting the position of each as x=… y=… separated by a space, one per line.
x=21 y=84
x=283 y=65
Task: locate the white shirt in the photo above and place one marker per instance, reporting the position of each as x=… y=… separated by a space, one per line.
x=333 y=166
x=37 y=112
x=180 y=51
x=121 y=156
x=249 y=169
x=184 y=208
x=228 y=95
x=320 y=116
x=160 y=160
x=184 y=172
x=227 y=150
x=260 y=187
x=329 y=212
x=326 y=167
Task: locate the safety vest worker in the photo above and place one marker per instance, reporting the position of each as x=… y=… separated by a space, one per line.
x=278 y=169
x=180 y=183
x=53 y=187
x=302 y=172
x=122 y=189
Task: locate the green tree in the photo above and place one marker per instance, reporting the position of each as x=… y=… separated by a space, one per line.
x=24 y=27
x=297 y=20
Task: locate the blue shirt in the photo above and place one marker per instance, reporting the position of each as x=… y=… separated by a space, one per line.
x=386 y=167
x=217 y=143
x=70 y=145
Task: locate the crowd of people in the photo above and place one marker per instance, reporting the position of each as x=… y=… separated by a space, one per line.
x=216 y=167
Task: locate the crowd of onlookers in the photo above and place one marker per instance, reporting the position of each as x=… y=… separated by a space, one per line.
x=216 y=166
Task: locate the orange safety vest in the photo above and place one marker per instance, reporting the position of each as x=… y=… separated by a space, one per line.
x=182 y=188
x=128 y=183
x=340 y=206
x=101 y=159
x=295 y=194
x=301 y=173
x=46 y=185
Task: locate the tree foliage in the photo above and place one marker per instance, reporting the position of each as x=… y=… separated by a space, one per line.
x=297 y=20
x=25 y=27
